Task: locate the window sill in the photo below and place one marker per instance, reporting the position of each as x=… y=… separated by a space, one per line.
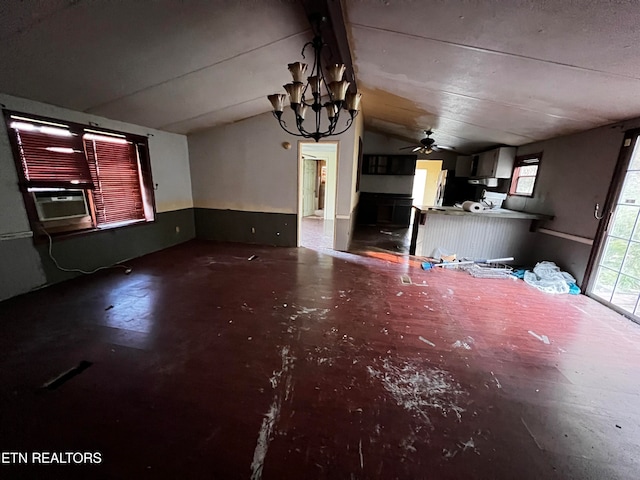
x=523 y=195
x=40 y=235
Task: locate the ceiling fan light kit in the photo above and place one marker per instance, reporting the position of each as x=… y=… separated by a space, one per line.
x=302 y=97
x=427 y=145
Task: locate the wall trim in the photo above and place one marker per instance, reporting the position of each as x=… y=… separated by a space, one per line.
x=566 y=236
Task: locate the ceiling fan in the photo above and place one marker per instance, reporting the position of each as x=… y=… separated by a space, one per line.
x=427 y=145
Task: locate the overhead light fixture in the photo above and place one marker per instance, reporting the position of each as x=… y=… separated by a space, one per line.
x=327 y=84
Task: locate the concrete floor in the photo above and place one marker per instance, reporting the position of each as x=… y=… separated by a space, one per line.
x=307 y=365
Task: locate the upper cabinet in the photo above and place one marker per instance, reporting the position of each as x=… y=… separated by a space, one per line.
x=496 y=163
x=464 y=166
x=389 y=164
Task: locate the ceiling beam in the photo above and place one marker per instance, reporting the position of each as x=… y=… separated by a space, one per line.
x=334 y=34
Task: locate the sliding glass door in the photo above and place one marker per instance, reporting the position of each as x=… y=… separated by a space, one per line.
x=617 y=274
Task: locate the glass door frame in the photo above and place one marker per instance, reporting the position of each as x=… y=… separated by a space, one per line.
x=631 y=138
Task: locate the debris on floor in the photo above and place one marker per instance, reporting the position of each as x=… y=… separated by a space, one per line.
x=542 y=338
x=547 y=277
x=422 y=339
x=490 y=269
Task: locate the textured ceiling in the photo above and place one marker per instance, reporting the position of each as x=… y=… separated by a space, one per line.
x=477 y=73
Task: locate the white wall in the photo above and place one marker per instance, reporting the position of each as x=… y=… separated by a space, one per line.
x=347 y=176
x=22 y=267
x=330 y=189
x=243 y=166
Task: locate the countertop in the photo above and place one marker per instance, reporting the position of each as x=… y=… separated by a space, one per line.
x=495 y=212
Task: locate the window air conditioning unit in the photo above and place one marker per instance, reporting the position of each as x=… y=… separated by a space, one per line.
x=60 y=204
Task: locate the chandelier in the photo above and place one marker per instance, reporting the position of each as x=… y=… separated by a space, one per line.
x=329 y=85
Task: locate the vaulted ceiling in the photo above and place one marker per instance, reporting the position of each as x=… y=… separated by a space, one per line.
x=477 y=73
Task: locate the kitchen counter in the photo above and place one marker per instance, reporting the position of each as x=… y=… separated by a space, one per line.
x=493 y=233
x=494 y=212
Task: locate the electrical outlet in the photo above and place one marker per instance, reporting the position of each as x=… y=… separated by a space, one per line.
x=253 y=230
x=177 y=229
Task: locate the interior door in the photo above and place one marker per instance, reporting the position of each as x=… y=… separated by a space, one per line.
x=308 y=187
x=617 y=273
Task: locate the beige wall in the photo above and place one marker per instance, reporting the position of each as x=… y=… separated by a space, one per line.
x=433 y=168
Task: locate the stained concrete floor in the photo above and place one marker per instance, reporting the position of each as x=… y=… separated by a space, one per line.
x=307 y=365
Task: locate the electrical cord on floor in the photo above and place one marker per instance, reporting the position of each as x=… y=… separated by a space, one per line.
x=127 y=269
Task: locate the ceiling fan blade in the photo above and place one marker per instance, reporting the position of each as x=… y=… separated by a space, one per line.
x=417 y=149
x=406 y=148
x=444 y=147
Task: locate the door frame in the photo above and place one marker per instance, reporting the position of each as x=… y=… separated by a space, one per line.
x=615 y=189
x=300 y=187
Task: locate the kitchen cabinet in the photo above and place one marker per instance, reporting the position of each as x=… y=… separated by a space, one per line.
x=389 y=164
x=464 y=165
x=496 y=163
x=384 y=209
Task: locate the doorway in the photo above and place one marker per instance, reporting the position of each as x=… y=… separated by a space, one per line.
x=428 y=183
x=616 y=281
x=317 y=180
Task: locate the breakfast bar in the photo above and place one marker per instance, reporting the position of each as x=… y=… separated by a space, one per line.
x=492 y=233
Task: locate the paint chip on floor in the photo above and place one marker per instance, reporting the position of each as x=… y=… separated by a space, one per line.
x=466 y=343
x=426 y=341
x=543 y=338
x=420 y=389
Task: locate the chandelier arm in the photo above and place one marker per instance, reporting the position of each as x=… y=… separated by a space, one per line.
x=318 y=115
x=305 y=47
x=283 y=125
x=303 y=131
x=348 y=125
x=319 y=84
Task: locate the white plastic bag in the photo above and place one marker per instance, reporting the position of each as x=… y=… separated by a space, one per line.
x=548 y=277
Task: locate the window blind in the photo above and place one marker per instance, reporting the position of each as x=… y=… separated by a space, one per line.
x=114 y=169
x=51 y=156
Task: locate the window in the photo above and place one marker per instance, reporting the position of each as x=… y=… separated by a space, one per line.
x=525 y=174
x=74 y=177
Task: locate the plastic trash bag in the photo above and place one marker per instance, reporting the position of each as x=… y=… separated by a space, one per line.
x=548 y=277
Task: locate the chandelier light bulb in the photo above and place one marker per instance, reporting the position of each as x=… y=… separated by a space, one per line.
x=335 y=72
x=331 y=110
x=314 y=83
x=352 y=102
x=338 y=90
x=307 y=98
x=277 y=101
x=295 y=92
x=298 y=70
x=302 y=110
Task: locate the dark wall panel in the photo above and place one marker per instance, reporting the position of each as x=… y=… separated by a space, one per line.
x=108 y=247
x=21 y=267
x=279 y=229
